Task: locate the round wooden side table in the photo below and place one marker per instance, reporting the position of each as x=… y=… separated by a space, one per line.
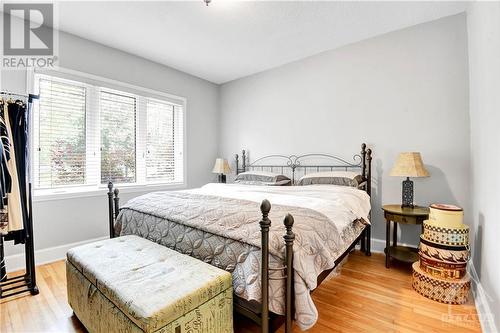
x=406 y=215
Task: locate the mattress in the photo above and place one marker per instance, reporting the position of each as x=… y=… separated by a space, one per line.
x=218 y=223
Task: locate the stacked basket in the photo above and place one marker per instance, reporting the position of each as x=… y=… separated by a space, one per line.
x=441 y=272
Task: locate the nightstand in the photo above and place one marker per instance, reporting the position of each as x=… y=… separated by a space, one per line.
x=397 y=214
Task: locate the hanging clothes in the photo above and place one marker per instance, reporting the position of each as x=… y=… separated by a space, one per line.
x=14 y=209
x=5 y=182
x=16 y=221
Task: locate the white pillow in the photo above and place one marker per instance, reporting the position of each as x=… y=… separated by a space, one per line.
x=344 y=178
x=263 y=177
x=260 y=173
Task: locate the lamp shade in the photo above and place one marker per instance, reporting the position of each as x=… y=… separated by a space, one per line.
x=221 y=166
x=409 y=165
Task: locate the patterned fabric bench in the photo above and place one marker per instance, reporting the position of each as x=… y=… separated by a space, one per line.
x=129 y=284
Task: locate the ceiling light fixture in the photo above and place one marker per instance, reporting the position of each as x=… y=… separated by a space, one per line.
x=207 y=1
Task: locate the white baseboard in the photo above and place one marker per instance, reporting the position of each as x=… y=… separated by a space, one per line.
x=16 y=262
x=378 y=245
x=482 y=301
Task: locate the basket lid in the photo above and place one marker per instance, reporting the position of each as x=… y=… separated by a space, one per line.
x=447 y=207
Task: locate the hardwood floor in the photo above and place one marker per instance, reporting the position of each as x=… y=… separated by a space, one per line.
x=366 y=297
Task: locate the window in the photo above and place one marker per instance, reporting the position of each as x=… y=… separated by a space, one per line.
x=61 y=135
x=87 y=134
x=117 y=138
x=164 y=135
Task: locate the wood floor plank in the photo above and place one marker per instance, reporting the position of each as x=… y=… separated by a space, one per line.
x=365 y=297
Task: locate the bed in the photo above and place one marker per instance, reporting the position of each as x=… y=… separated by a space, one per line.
x=275 y=266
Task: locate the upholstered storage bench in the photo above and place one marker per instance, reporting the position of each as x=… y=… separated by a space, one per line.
x=129 y=284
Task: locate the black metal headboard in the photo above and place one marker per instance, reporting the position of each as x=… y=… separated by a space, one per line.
x=293 y=163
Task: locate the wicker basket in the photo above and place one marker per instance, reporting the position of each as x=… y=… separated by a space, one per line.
x=448 y=216
x=439 y=289
x=442 y=269
x=455 y=236
x=446 y=254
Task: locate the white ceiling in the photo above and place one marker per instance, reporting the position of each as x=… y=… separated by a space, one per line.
x=229 y=40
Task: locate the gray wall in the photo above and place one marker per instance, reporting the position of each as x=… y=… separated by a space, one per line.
x=403 y=91
x=484 y=70
x=66 y=221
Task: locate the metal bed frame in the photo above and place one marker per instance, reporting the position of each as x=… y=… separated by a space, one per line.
x=259 y=312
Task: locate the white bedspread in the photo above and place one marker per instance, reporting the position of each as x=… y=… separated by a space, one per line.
x=341 y=204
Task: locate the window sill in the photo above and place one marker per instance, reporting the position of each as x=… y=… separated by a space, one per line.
x=82 y=192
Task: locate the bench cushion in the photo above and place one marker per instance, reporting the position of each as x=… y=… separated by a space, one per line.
x=151 y=284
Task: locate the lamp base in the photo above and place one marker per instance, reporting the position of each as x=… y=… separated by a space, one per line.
x=407 y=194
x=221 y=178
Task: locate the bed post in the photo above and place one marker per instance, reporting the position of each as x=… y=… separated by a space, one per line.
x=117 y=202
x=369 y=191
x=237 y=161
x=289 y=238
x=363 y=160
x=369 y=173
x=265 y=223
x=363 y=172
x=110 y=211
x=244 y=160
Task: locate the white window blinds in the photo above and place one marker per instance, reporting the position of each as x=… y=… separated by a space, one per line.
x=88 y=135
x=164 y=142
x=60 y=146
x=118 y=151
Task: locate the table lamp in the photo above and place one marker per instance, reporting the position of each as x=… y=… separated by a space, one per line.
x=221 y=167
x=409 y=165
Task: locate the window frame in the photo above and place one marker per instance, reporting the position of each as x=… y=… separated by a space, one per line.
x=142 y=94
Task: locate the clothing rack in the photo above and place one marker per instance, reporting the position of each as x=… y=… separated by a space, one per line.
x=10 y=286
x=30 y=97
